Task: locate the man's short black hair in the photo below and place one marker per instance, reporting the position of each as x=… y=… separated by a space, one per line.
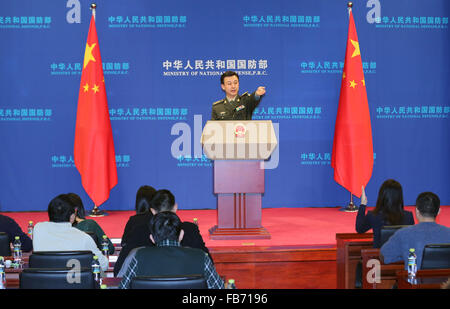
x=163 y=200
x=60 y=209
x=428 y=204
x=165 y=226
x=228 y=74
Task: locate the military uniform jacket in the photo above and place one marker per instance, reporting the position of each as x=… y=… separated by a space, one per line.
x=240 y=109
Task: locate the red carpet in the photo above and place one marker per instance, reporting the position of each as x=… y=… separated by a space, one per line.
x=287 y=226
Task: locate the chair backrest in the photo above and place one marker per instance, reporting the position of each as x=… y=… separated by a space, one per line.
x=387 y=231
x=5 y=248
x=436 y=256
x=165 y=282
x=59 y=259
x=57 y=278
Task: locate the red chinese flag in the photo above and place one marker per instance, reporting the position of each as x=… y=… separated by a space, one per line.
x=94 y=146
x=352 y=157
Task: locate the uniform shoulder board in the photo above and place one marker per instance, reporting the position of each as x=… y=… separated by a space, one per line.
x=245 y=94
x=217 y=102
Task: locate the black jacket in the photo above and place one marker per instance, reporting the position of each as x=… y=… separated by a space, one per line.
x=10 y=227
x=137 y=234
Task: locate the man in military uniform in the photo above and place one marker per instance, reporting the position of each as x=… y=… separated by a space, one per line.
x=235 y=106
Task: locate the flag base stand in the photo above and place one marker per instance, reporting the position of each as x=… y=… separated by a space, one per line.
x=97 y=213
x=351 y=207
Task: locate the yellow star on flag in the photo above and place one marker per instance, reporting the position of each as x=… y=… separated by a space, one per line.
x=343 y=75
x=86 y=87
x=364 y=82
x=353 y=84
x=95 y=89
x=356 y=52
x=88 y=54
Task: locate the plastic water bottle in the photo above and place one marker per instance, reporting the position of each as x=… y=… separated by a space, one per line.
x=30 y=229
x=2 y=274
x=96 y=270
x=105 y=246
x=231 y=285
x=17 y=252
x=412 y=264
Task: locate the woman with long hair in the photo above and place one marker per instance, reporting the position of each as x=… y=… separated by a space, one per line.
x=389 y=210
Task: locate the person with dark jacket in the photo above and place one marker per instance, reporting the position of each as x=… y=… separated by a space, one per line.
x=144 y=196
x=168 y=257
x=389 y=210
x=137 y=230
x=10 y=227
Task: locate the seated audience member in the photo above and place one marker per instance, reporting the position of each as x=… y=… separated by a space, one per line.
x=10 y=227
x=427 y=231
x=165 y=201
x=87 y=225
x=388 y=211
x=162 y=200
x=136 y=232
x=58 y=233
x=143 y=197
x=168 y=258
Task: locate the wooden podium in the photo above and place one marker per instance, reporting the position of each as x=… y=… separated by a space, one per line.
x=238 y=149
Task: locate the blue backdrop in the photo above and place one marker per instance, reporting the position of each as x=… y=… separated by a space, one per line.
x=162 y=63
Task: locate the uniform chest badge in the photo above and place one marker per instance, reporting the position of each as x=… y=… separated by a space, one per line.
x=241 y=107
